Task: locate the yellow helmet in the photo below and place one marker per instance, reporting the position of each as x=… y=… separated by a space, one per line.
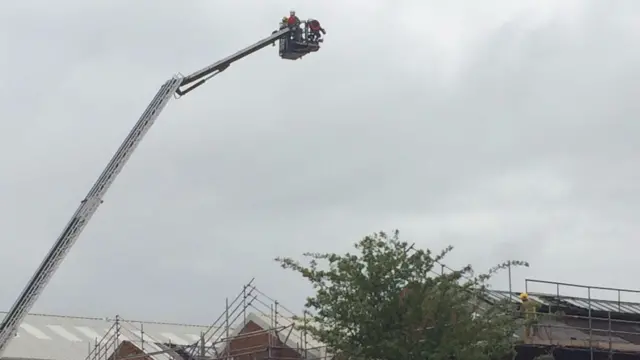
x=284 y=19
x=524 y=296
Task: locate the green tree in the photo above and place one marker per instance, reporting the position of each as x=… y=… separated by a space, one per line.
x=389 y=301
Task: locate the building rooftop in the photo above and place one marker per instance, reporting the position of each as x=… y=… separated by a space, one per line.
x=582 y=322
x=72 y=338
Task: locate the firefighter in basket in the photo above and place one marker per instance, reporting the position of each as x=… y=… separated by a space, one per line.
x=315 y=31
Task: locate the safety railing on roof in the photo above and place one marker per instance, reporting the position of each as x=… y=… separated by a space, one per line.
x=595 y=298
x=589 y=333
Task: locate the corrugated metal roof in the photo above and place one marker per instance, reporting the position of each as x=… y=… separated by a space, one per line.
x=71 y=338
x=583 y=303
x=603 y=305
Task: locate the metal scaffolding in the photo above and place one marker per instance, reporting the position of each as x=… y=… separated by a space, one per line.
x=255 y=325
x=252 y=326
x=571 y=316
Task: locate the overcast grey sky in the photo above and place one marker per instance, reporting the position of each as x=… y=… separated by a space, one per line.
x=507 y=129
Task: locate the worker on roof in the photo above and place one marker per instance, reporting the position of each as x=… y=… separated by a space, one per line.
x=529 y=310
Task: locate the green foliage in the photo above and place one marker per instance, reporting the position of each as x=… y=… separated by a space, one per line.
x=387 y=303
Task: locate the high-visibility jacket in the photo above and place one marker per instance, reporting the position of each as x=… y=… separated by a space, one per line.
x=530 y=309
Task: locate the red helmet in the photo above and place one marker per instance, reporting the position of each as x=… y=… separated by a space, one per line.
x=314 y=25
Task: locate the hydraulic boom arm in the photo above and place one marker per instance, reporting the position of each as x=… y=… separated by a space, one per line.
x=199 y=77
x=89 y=205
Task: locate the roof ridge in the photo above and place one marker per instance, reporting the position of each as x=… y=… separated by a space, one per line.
x=110 y=318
